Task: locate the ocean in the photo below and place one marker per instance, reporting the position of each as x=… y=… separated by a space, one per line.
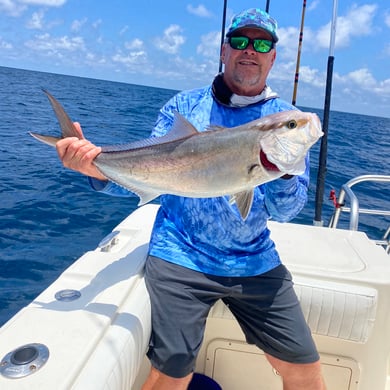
x=49 y=216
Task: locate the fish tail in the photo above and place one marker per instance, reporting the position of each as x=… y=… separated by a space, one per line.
x=46 y=139
x=67 y=127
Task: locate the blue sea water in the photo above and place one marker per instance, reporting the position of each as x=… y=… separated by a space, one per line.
x=49 y=216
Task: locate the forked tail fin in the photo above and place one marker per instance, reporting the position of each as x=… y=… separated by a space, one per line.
x=67 y=127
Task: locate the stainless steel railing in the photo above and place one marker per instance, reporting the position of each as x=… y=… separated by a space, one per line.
x=355 y=210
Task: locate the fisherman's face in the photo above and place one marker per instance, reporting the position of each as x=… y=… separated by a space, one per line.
x=246 y=71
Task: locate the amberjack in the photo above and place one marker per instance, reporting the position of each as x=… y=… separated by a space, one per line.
x=218 y=161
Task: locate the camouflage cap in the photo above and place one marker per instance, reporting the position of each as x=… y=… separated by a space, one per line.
x=254 y=18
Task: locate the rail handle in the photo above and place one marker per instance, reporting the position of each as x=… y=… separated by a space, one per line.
x=354 y=210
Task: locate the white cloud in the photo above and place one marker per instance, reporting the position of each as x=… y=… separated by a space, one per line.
x=135 y=58
x=96 y=24
x=5 y=45
x=93 y=59
x=131 y=59
x=356 y=90
x=288 y=42
x=312 y=76
x=313 y=5
x=123 y=30
x=210 y=45
x=171 y=40
x=361 y=77
x=356 y=23
x=364 y=80
x=387 y=19
x=36 y=21
x=179 y=68
x=200 y=10
x=12 y=8
x=383 y=88
x=283 y=71
x=135 y=44
x=49 y=3
x=44 y=42
x=17 y=7
x=78 y=24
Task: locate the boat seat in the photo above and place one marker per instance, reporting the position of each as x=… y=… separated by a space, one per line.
x=332 y=309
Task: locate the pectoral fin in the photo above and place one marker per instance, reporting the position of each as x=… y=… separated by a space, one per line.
x=244 y=201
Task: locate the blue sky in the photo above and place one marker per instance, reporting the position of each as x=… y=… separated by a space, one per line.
x=175 y=44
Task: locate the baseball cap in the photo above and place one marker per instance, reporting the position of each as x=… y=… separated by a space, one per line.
x=254 y=18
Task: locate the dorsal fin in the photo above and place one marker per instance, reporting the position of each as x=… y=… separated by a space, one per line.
x=181 y=129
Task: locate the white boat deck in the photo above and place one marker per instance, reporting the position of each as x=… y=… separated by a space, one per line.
x=98 y=341
x=343 y=282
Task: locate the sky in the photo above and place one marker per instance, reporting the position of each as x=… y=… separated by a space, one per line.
x=175 y=44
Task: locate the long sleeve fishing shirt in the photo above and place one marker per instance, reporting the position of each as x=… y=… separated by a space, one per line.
x=209 y=235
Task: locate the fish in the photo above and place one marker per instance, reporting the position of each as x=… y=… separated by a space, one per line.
x=218 y=161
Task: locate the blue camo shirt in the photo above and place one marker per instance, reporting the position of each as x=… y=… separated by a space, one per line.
x=208 y=235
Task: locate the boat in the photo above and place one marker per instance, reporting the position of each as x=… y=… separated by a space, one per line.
x=90 y=328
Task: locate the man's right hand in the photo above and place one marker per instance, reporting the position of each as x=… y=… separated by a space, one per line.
x=78 y=154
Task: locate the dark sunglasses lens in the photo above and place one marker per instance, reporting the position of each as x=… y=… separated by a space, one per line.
x=239 y=43
x=262 y=45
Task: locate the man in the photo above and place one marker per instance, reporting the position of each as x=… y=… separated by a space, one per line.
x=201 y=250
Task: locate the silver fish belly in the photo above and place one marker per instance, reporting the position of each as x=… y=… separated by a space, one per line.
x=185 y=162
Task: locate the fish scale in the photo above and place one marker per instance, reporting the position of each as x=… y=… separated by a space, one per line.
x=217 y=162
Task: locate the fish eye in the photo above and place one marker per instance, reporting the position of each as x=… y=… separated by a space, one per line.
x=291 y=124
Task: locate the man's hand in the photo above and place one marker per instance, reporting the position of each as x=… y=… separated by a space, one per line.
x=78 y=154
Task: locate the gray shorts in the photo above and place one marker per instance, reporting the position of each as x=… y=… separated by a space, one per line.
x=265 y=306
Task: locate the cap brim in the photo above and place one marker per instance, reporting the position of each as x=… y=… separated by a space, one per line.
x=273 y=36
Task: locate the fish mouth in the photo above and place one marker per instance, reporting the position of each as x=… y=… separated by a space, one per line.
x=317 y=125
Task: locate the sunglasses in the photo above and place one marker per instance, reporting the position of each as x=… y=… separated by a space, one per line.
x=260 y=45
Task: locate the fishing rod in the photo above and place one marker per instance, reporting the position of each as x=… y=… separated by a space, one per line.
x=319 y=199
x=222 y=32
x=296 y=78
